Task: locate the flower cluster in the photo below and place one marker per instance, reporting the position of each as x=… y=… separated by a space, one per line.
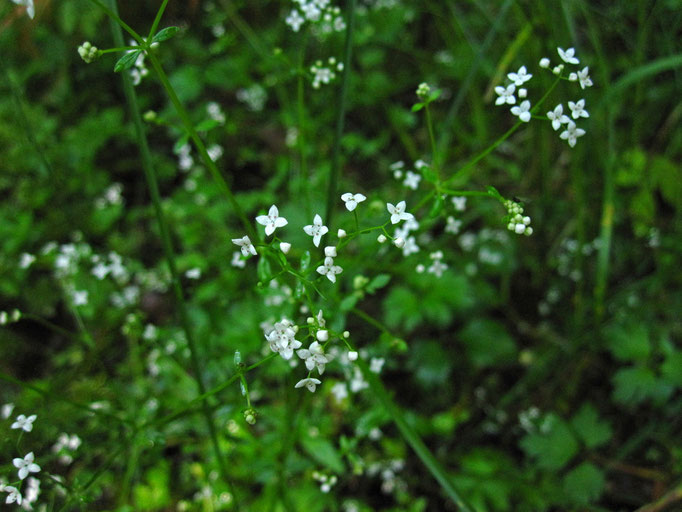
x=411 y=179
x=517 y=222
x=325 y=17
x=325 y=74
x=571 y=132
x=254 y=97
x=88 y=52
x=139 y=70
x=282 y=338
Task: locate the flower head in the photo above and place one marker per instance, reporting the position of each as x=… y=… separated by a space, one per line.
x=412 y=180
x=571 y=133
x=557 y=117
x=398 y=212
x=24 y=423
x=568 y=56
x=522 y=111
x=309 y=383
x=505 y=94
x=244 y=243
x=26 y=465
x=316 y=230
x=314 y=357
x=272 y=220
x=520 y=77
x=329 y=269
x=584 y=77
x=14 y=495
x=578 y=109
x=352 y=200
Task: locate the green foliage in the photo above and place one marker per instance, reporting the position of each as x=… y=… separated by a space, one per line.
x=584 y=484
x=553 y=446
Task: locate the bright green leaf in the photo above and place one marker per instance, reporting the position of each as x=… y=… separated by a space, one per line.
x=553 y=445
x=166 y=33
x=127 y=61
x=590 y=428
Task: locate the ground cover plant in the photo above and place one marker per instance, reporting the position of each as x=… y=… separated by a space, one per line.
x=323 y=256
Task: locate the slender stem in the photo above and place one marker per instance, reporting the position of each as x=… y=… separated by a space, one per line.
x=432 y=138
x=157 y=20
x=341 y=115
x=201 y=148
x=152 y=183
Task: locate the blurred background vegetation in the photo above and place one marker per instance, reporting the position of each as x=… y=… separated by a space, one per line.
x=544 y=372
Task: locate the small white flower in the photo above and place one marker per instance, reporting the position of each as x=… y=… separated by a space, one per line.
x=398 y=212
x=245 y=245
x=584 y=78
x=437 y=268
x=26 y=260
x=330 y=251
x=272 y=220
x=79 y=297
x=193 y=273
x=26 y=465
x=557 y=117
x=294 y=20
x=568 y=56
x=352 y=200
x=316 y=230
x=578 y=109
x=340 y=391
x=352 y=355
x=376 y=364
x=329 y=269
x=453 y=225
x=522 y=111
x=410 y=246
x=544 y=63
x=314 y=357
x=6 y=410
x=412 y=180
x=460 y=203
x=285 y=247
x=341 y=233
x=237 y=261
x=505 y=94
x=399 y=242
x=520 y=77
x=523 y=92
x=30 y=10
x=14 y=495
x=309 y=383
x=24 y=423
x=571 y=133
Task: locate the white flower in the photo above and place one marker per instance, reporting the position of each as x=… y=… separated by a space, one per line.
x=506 y=94
x=26 y=465
x=31 y=11
x=281 y=339
x=523 y=92
x=309 y=383
x=381 y=238
x=295 y=20
x=193 y=273
x=376 y=364
x=557 y=117
x=398 y=212
x=520 y=77
x=6 y=410
x=568 y=56
x=14 y=495
x=352 y=200
x=410 y=246
x=437 y=268
x=460 y=203
x=578 y=109
x=523 y=111
x=352 y=355
x=399 y=242
x=245 y=245
x=24 y=423
x=340 y=391
x=314 y=357
x=341 y=233
x=80 y=297
x=26 y=260
x=584 y=78
x=329 y=269
x=544 y=62
x=571 y=133
x=316 y=230
x=412 y=180
x=237 y=261
x=453 y=225
x=272 y=220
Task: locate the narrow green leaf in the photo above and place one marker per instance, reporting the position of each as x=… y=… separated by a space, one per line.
x=417 y=107
x=436 y=208
x=127 y=61
x=166 y=33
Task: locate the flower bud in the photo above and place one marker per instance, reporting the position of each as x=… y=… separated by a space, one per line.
x=284 y=247
x=381 y=239
x=322 y=335
x=330 y=251
x=341 y=233
x=399 y=242
x=352 y=355
x=544 y=62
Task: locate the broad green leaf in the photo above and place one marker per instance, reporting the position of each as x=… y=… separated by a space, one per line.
x=553 y=445
x=349 y=302
x=584 y=484
x=487 y=342
x=378 y=282
x=324 y=453
x=166 y=33
x=635 y=384
x=671 y=369
x=127 y=61
x=590 y=428
x=628 y=342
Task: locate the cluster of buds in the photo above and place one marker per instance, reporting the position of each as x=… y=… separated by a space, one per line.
x=518 y=223
x=11 y=317
x=88 y=52
x=423 y=91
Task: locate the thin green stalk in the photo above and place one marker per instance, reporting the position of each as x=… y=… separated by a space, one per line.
x=432 y=139
x=152 y=183
x=200 y=146
x=157 y=20
x=301 y=136
x=340 y=118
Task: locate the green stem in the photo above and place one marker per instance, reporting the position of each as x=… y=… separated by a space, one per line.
x=152 y=183
x=199 y=144
x=157 y=20
x=341 y=115
x=432 y=138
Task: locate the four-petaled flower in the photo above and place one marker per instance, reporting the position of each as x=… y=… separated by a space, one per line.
x=352 y=200
x=24 y=423
x=568 y=56
x=294 y=20
x=329 y=269
x=14 y=495
x=398 y=212
x=557 y=117
x=309 y=383
x=506 y=94
x=316 y=230
x=412 y=180
x=523 y=111
x=578 y=109
x=245 y=245
x=520 y=77
x=571 y=133
x=584 y=78
x=26 y=465
x=314 y=357
x=272 y=220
